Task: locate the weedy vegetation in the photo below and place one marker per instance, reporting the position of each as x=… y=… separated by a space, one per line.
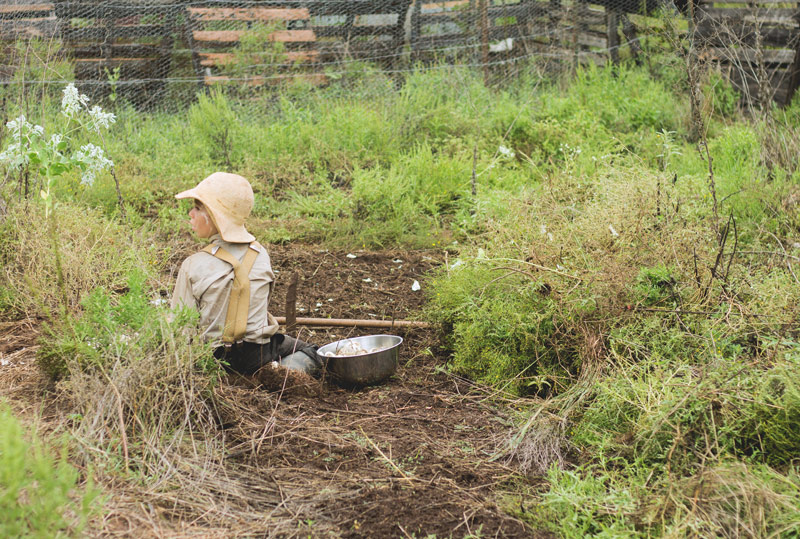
x=637 y=301
x=43 y=495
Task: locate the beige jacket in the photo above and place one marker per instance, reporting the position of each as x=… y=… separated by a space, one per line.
x=204 y=284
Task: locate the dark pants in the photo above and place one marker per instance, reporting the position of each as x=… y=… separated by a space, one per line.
x=247 y=357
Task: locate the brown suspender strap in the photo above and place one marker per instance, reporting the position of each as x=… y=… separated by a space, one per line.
x=239 y=302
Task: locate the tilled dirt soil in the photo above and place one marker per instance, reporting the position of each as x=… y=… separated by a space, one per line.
x=407 y=458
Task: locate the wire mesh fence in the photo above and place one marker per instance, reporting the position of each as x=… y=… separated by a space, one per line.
x=160 y=53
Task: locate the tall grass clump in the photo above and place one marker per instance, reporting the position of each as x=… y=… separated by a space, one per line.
x=96 y=251
x=215 y=124
x=41 y=493
x=138 y=384
x=535 y=292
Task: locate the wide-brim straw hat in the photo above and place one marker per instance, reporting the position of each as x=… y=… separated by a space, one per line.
x=228 y=198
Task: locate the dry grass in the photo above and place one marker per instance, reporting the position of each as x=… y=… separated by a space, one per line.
x=137 y=410
x=95 y=252
x=728 y=500
x=544 y=441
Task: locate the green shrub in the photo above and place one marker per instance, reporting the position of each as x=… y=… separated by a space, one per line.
x=503 y=333
x=623 y=100
x=216 y=125
x=654 y=286
x=408 y=203
x=728 y=499
x=720 y=96
x=708 y=400
x=128 y=326
x=588 y=503
x=40 y=495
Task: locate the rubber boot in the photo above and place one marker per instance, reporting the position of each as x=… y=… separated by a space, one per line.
x=300 y=361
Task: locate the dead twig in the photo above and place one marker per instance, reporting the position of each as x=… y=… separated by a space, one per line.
x=537 y=266
x=771 y=253
x=785 y=254
x=382 y=454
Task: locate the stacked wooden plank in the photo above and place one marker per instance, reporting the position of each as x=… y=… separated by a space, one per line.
x=251 y=45
x=757 y=44
x=24 y=20
x=297 y=37
x=359 y=29
x=129 y=41
x=511 y=27
x=447 y=24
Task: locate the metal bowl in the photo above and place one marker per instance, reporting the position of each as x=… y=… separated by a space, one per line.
x=365 y=368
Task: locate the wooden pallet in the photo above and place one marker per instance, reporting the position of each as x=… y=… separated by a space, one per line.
x=756 y=44
x=215 y=33
x=27 y=20
x=359 y=29
x=311 y=33
x=135 y=39
x=524 y=27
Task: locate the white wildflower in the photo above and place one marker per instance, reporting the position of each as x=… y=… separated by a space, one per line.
x=507 y=152
x=415 y=286
x=16 y=125
x=55 y=140
x=72 y=102
x=16 y=154
x=101 y=119
x=13 y=156
x=21 y=127
x=93 y=160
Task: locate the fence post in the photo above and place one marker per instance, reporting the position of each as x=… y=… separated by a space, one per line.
x=794 y=77
x=415 y=26
x=484 y=8
x=612 y=22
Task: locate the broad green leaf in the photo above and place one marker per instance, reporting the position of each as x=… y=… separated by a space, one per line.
x=57 y=169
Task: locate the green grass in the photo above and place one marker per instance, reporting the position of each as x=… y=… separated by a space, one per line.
x=41 y=493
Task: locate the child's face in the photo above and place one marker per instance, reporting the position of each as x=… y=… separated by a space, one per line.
x=201 y=222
